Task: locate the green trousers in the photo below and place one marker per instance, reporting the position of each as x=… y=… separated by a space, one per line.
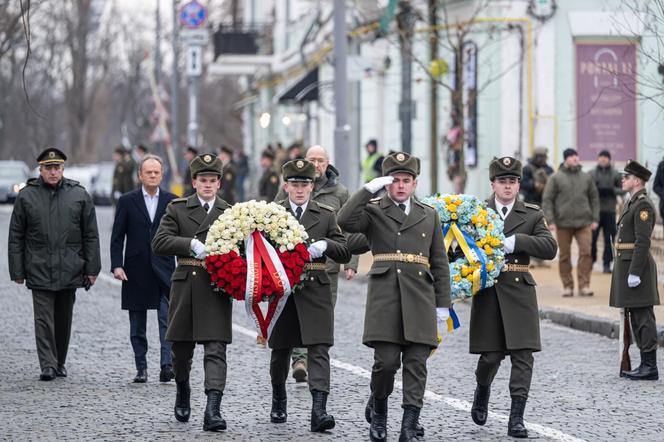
x=520 y=377
x=388 y=357
x=318 y=367
x=214 y=362
x=53 y=313
x=644 y=328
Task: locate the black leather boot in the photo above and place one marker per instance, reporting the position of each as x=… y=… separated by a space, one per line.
x=378 y=420
x=647 y=370
x=213 y=420
x=320 y=420
x=480 y=409
x=367 y=415
x=278 y=414
x=182 y=407
x=515 y=426
x=411 y=416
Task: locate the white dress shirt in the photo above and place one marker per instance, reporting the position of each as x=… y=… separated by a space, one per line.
x=209 y=203
x=510 y=241
x=405 y=203
x=151 y=202
x=294 y=207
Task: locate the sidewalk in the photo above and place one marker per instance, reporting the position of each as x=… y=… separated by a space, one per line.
x=590 y=314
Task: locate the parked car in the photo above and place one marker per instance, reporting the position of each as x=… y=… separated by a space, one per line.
x=83 y=173
x=13 y=175
x=102 y=186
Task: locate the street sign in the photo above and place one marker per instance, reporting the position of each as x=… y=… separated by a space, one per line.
x=194 y=61
x=193 y=14
x=195 y=36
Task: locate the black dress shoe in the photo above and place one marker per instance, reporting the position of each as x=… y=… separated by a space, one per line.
x=141 y=376
x=166 y=374
x=646 y=371
x=61 y=371
x=47 y=374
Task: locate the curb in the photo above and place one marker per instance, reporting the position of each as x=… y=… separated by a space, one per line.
x=590 y=324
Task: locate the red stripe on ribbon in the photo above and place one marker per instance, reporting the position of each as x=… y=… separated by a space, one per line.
x=261 y=255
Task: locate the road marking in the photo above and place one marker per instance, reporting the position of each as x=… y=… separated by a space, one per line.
x=458 y=404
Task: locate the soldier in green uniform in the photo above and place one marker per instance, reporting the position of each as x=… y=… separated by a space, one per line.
x=409 y=287
x=197 y=314
x=53 y=249
x=268 y=186
x=504 y=318
x=634 y=278
x=308 y=317
x=123 y=173
x=227 y=189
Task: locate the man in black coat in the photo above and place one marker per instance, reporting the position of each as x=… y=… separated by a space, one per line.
x=145 y=276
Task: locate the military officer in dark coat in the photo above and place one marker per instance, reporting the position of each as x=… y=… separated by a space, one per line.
x=504 y=318
x=634 y=278
x=227 y=189
x=197 y=314
x=54 y=249
x=268 y=186
x=409 y=287
x=308 y=317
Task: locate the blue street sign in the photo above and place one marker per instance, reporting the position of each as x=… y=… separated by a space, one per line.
x=192 y=14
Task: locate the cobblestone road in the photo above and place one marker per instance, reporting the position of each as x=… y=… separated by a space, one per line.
x=576 y=394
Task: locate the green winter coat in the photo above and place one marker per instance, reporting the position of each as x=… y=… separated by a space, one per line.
x=570 y=198
x=635 y=226
x=53 y=237
x=401 y=297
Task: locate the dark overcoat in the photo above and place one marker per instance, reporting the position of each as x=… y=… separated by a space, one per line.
x=402 y=296
x=308 y=317
x=505 y=317
x=146 y=272
x=196 y=311
x=635 y=226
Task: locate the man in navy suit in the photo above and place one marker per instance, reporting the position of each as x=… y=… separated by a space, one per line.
x=145 y=276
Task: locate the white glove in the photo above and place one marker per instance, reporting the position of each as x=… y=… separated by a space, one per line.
x=509 y=244
x=376 y=184
x=442 y=313
x=198 y=249
x=317 y=249
x=117 y=194
x=633 y=281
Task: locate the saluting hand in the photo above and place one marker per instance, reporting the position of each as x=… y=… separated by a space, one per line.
x=376 y=184
x=119 y=274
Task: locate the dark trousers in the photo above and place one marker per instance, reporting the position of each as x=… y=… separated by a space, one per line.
x=53 y=312
x=318 y=366
x=644 y=328
x=139 y=340
x=520 y=377
x=214 y=362
x=388 y=357
x=607 y=222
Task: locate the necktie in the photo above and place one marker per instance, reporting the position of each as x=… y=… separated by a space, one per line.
x=206 y=207
x=504 y=210
x=298 y=212
x=402 y=207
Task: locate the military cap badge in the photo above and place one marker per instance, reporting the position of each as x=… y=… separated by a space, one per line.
x=207 y=158
x=401 y=157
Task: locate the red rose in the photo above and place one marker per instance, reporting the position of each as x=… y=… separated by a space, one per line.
x=225 y=258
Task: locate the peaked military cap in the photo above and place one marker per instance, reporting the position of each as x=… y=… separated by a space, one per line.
x=299 y=170
x=51 y=155
x=206 y=163
x=401 y=162
x=634 y=168
x=268 y=153
x=505 y=166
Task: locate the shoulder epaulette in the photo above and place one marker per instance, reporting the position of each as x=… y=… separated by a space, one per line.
x=532 y=206
x=640 y=197
x=178 y=200
x=280 y=201
x=375 y=200
x=31 y=182
x=326 y=207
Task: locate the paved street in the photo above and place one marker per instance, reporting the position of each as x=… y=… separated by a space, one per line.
x=576 y=392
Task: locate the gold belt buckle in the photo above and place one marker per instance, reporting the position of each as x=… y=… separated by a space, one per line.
x=410 y=257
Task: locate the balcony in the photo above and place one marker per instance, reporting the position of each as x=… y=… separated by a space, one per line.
x=242 y=40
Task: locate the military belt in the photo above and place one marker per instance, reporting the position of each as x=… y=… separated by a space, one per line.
x=402 y=257
x=625 y=246
x=314 y=266
x=191 y=262
x=516 y=268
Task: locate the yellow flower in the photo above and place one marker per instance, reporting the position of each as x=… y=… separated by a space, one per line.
x=452 y=208
x=453 y=216
x=457 y=278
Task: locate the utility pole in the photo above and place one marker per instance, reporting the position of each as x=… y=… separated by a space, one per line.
x=406 y=21
x=175 y=83
x=433 y=94
x=342 y=129
x=157 y=52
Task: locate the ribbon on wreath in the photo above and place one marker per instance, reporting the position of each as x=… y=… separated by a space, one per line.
x=258 y=251
x=470 y=250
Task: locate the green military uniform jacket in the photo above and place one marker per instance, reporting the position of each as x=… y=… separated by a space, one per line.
x=53 y=237
x=227 y=190
x=196 y=311
x=123 y=176
x=308 y=317
x=402 y=296
x=635 y=225
x=505 y=317
x=268 y=186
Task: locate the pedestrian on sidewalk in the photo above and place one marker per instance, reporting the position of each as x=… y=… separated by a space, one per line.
x=504 y=319
x=307 y=319
x=571 y=207
x=409 y=288
x=53 y=248
x=146 y=277
x=197 y=314
x=609 y=186
x=634 y=278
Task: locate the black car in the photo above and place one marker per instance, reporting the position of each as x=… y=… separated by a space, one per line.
x=13 y=176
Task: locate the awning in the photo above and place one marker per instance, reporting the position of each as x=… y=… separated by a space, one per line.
x=306 y=89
